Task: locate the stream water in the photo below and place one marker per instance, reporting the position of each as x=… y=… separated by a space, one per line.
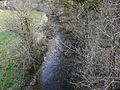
x=54 y=74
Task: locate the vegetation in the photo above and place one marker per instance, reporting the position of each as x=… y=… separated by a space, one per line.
x=90 y=32
x=7 y=14
x=90 y=35
x=11 y=76
x=4 y=14
x=7 y=60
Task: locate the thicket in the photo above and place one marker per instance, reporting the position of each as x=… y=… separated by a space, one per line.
x=27 y=53
x=90 y=31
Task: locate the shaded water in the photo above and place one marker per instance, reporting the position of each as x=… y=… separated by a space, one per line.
x=55 y=73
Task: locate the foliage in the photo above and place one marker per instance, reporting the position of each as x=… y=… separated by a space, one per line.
x=78 y=4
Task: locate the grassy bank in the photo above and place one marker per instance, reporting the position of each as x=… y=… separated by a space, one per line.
x=5 y=15
x=10 y=76
x=7 y=60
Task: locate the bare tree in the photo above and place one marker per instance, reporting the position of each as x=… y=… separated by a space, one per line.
x=32 y=43
x=92 y=37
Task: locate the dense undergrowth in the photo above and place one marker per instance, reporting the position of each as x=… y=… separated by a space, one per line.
x=12 y=75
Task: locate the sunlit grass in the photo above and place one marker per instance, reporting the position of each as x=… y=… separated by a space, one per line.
x=3 y=15
x=36 y=17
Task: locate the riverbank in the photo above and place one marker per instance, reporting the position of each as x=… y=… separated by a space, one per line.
x=11 y=74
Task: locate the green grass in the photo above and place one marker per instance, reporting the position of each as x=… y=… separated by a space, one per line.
x=6 y=40
x=3 y=15
x=36 y=17
x=6 y=61
x=8 y=76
